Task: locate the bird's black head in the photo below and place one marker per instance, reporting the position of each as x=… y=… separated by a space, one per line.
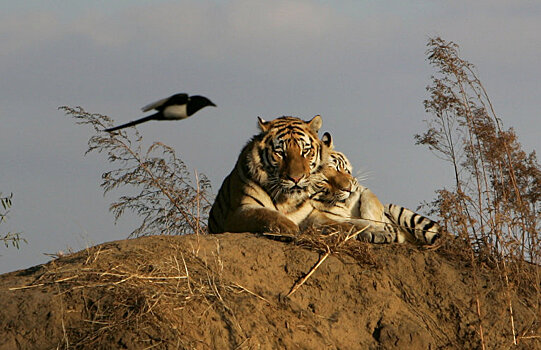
x=198 y=102
x=201 y=100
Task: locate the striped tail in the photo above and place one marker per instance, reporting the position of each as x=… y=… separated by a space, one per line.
x=420 y=228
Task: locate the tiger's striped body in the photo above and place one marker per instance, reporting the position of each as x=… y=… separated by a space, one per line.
x=341 y=198
x=269 y=187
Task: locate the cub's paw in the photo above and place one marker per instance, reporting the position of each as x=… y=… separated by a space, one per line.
x=376 y=237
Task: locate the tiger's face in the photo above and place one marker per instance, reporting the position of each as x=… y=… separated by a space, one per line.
x=337 y=184
x=291 y=155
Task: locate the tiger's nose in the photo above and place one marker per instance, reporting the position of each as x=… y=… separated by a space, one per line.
x=295 y=179
x=341 y=184
x=347 y=187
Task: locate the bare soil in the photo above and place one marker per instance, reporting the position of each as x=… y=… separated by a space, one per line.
x=229 y=291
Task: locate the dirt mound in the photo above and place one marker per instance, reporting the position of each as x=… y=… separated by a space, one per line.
x=229 y=291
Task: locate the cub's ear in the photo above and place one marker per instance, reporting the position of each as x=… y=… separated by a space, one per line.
x=315 y=123
x=327 y=140
x=263 y=125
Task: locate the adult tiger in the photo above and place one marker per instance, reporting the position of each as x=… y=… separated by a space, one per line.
x=340 y=197
x=269 y=187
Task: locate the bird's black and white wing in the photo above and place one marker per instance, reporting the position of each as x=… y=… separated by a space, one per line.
x=159 y=103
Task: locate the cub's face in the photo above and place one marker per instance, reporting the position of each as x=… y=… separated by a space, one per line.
x=336 y=184
x=291 y=154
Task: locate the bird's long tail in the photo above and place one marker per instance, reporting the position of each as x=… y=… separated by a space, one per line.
x=132 y=123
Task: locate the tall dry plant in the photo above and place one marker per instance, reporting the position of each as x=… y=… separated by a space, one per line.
x=496 y=199
x=494 y=204
x=167 y=198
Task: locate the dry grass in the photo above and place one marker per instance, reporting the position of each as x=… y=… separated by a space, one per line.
x=145 y=294
x=336 y=242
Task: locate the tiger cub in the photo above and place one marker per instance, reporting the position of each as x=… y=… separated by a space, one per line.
x=269 y=187
x=340 y=197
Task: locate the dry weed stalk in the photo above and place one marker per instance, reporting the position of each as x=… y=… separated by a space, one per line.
x=13 y=238
x=477 y=299
x=167 y=200
x=300 y=282
x=332 y=242
x=63 y=310
x=495 y=204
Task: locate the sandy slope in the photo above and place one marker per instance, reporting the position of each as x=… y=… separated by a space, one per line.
x=229 y=292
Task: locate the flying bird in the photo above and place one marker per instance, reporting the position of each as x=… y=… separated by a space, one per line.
x=176 y=107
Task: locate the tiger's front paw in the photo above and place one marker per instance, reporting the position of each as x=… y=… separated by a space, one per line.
x=376 y=237
x=284 y=226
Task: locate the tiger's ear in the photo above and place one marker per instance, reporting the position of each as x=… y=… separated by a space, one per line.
x=315 y=123
x=327 y=140
x=263 y=125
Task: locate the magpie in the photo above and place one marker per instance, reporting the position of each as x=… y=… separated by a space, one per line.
x=176 y=107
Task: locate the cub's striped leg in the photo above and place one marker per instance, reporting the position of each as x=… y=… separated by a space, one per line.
x=374 y=235
x=412 y=225
x=371 y=210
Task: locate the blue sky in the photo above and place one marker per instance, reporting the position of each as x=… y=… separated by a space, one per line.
x=361 y=65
